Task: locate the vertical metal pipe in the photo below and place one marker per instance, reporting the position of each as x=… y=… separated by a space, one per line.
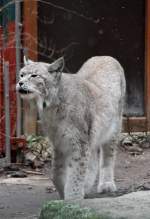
x=18 y=45
x=7 y=111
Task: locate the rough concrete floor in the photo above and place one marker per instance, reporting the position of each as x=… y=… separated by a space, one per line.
x=23 y=198
x=135 y=205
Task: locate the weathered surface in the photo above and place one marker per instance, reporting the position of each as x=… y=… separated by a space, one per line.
x=135 y=205
x=22 y=198
x=132 y=206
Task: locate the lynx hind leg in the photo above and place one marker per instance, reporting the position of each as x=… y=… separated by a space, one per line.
x=106 y=167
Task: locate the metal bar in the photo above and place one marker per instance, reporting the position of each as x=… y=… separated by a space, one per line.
x=17 y=35
x=7 y=111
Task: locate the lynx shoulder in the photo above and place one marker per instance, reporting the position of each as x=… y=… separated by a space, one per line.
x=82 y=115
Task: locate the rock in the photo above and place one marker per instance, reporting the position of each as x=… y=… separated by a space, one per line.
x=141 y=140
x=135 y=149
x=11 y=168
x=38 y=163
x=18 y=174
x=29 y=156
x=127 y=141
x=134 y=205
x=45 y=155
x=144 y=186
x=50 y=189
x=145 y=145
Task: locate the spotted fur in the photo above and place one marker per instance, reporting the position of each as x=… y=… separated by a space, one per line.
x=82 y=116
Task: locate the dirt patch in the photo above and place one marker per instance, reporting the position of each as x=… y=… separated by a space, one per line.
x=133 y=171
x=23 y=198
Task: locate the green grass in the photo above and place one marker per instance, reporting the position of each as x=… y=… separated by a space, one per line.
x=62 y=210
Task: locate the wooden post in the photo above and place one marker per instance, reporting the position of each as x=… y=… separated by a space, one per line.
x=147 y=63
x=30 y=28
x=143 y=123
x=7 y=111
x=18 y=37
x=30 y=43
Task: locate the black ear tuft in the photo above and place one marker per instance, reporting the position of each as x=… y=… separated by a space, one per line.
x=57 y=66
x=27 y=61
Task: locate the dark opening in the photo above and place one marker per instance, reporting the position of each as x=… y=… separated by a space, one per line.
x=80 y=29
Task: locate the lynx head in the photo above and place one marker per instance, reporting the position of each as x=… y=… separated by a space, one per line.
x=38 y=79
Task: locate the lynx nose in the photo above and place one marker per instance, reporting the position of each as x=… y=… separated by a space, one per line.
x=20 y=83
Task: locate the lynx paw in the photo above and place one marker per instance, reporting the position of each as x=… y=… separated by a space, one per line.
x=73 y=197
x=107 y=187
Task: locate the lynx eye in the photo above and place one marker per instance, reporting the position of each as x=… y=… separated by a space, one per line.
x=21 y=75
x=53 y=71
x=34 y=75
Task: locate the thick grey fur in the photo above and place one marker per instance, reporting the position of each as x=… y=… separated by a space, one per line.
x=82 y=116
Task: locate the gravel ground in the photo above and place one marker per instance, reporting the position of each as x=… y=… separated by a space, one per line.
x=22 y=198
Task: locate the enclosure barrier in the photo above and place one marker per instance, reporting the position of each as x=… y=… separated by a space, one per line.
x=7 y=160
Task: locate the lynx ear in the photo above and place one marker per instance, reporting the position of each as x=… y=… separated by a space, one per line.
x=27 y=61
x=57 y=66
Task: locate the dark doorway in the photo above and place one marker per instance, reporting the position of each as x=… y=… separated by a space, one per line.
x=80 y=29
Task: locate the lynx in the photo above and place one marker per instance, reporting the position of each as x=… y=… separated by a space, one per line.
x=82 y=116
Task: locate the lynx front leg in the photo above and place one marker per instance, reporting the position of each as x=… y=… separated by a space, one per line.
x=76 y=173
x=59 y=172
x=106 y=174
